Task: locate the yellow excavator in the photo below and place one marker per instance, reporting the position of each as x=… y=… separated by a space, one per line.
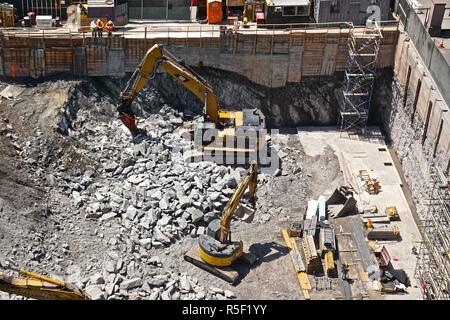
x=220 y=130
x=216 y=252
x=216 y=247
x=36 y=286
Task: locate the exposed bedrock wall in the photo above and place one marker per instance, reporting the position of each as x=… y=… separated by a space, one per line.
x=418 y=127
x=313 y=101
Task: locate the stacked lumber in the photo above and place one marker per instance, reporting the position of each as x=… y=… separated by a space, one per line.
x=369 y=184
x=313 y=262
x=384 y=232
x=298 y=264
x=375 y=218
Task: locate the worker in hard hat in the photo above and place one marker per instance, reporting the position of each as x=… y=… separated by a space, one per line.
x=110 y=27
x=345 y=268
x=100 y=26
x=93 y=28
x=245 y=22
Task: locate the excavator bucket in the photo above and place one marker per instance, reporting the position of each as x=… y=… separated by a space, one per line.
x=336 y=198
x=341 y=202
x=245 y=213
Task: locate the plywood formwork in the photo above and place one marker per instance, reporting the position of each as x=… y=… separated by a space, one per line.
x=58 y=60
x=291 y=53
x=16 y=62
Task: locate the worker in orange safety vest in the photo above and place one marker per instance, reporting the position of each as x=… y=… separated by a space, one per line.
x=110 y=27
x=100 y=26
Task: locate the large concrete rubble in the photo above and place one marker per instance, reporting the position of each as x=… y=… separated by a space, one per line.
x=149 y=197
x=106 y=210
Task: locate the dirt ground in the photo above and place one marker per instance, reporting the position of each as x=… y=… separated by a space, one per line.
x=38 y=230
x=283 y=200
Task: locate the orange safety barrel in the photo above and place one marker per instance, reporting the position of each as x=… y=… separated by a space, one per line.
x=214 y=11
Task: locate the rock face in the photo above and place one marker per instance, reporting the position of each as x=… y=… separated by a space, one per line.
x=406 y=138
x=313 y=101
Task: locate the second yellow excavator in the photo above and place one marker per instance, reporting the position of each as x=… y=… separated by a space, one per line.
x=32 y=285
x=216 y=251
x=216 y=247
x=220 y=130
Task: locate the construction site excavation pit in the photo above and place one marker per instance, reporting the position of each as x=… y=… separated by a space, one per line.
x=81 y=203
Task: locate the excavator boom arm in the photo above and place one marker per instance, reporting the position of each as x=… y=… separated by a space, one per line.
x=196 y=86
x=249 y=181
x=154 y=58
x=35 y=286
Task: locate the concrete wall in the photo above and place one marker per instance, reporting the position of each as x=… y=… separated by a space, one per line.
x=272 y=58
x=420 y=128
x=432 y=57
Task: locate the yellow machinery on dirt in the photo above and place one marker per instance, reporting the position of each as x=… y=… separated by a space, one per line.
x=216 y=247
x=327 y=244
x=220 y=130
x=36 y=286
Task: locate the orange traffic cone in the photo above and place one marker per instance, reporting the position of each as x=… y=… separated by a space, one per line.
x=441 y=45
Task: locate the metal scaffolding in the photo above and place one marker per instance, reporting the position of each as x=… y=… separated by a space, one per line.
x=433 y=265
x=363 y=48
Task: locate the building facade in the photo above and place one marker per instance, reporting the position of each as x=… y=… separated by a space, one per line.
x=356 y=11
x=137 y=9
x=288 y=11
x=159 y=9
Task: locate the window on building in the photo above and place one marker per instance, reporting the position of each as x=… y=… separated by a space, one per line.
x=302 y=11
x=289 y=11
x=294 y=11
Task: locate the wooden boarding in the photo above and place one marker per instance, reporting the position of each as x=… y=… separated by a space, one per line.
x=313 y=263
x=302 y=277
x=386 y=232
x=385 y=220
x=229 y=274
x=323 y=51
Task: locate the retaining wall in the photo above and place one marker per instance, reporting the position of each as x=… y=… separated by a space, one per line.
x=271 y=58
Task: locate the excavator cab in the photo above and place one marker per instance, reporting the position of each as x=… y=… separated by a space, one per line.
x=237 y=131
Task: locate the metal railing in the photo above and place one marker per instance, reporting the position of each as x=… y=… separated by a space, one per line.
x=183 y=30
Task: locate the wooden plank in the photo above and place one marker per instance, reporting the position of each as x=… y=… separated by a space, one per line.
x=302 y=277
x=228 y=274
